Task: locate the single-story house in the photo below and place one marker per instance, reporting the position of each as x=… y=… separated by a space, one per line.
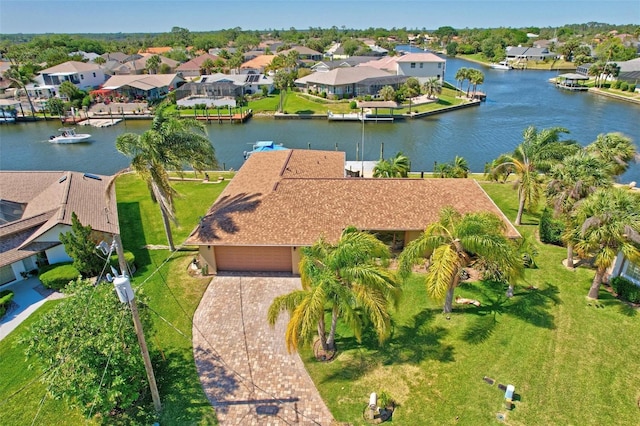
x=335 y=52
x=280 y=201
x=623 y=267
x=323 y=66
x=193 y=68
x=629 y=71
x=36 y=207
x=304 y=53
x=222 y=89
x=529 y=53
x=155 y=50
x=350 y=82
x=145 y=86
x=82 y=75
x=120 y=57
x=256 y=65
x=138 y=66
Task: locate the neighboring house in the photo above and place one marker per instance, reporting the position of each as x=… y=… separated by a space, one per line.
x=82 y=75
x=87 y=56
x=350 y=82
x=352 y=61
x=138 y=66
x=155 y=50
x=280 y=201
x=629 y=71
x=304 y=53
x=36 y=207
x=256 y=65
x=216 y=50
x=221 y=89
x=529 y=53
x=193 y=68
x=147 y=86
x=335 y=52
x=120 y=57
x=419 y=65
x=623 y=267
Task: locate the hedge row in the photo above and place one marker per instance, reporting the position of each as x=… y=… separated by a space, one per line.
x=57 y=276
x=5 y=299
x=626 y=289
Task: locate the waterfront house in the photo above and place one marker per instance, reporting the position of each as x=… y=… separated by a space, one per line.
x=221 y=89
x=147 y=87
x=529 y=53
x=36 y=207
x=352 y=61
x=419 y=65
x=80 y=74
x=350 y=82
x=280 y=201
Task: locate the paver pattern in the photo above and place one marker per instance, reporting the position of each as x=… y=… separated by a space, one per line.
x=243 y=363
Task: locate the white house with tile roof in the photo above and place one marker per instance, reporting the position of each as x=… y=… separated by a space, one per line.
x=36 y=207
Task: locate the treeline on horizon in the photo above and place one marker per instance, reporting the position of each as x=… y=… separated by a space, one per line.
x=55 y=48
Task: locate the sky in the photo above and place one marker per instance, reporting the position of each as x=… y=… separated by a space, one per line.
x=153 y=16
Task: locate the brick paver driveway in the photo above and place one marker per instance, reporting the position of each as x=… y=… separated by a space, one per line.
x=243 y=363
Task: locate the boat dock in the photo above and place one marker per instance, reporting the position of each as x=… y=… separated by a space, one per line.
x=233 y=118
x=331 y=116
x=100 y=122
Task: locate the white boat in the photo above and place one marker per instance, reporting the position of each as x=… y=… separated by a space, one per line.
x=7 y=116
x=69 y=135
x=502 y=65
x=264 y=146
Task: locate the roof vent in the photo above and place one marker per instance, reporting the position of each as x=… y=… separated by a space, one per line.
x=62 y=179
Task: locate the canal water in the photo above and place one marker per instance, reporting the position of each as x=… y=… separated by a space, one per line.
x=515 y=100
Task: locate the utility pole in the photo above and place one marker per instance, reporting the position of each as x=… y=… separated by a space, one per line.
x=125 y=294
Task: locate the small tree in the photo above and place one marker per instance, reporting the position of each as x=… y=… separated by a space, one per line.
x=81 y=248
x=89 y=352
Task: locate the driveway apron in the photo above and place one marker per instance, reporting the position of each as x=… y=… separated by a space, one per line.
x=243 y=363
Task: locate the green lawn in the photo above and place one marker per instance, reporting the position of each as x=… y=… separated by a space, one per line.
x=173 y=294
x=570 y=362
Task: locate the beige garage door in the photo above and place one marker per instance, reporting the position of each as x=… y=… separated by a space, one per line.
x=268 y=259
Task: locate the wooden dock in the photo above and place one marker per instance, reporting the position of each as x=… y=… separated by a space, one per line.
x=220 y=118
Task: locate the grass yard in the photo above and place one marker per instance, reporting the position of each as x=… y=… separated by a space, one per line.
x=172 y=293
x=570 y=362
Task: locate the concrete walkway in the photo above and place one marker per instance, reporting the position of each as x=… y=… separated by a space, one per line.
x=28 y=296
x=243 y=363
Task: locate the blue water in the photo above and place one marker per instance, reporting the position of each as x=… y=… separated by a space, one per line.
x=515 y=100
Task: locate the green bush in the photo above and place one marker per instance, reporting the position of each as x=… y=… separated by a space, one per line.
x=616 y=84
x=353 y=105
x=5 y=298
x=57 y=276
x=624 y=86
x=550 y=229
x=626 y=289
x=632 y=88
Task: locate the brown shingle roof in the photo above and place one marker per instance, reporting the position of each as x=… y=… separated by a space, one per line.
x=262 y=206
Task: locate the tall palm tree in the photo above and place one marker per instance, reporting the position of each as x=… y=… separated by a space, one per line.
x=615 y=150
x=397 y=166
x=571 y=181
x=452 y=243
x=461 y=76
x=20 y=76
x=170 y=144
x=476 y=77
x=207 y=66
x=537 y=152
x=432 y=87
x=348 y=279
x=608 y=223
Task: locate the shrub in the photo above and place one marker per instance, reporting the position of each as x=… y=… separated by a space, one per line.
x=616 y=84
x=353 y=105
x=632 y=88
x=367 y=98
x=550 y=229
x=57 y=276
x=624 y=86
x=5 y=297
x=626 y=289
x=324 y=95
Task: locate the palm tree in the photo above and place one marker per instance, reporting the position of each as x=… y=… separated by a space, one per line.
x=207 y=66
x=476 y=77
x=571 y=181
x=537 y=152
x=452 y=243
x=387 y=93
x=608 y=223
x=346 y=278
x=432 y=87
x=615 y=150
x=153 y=64
x=170 y=144
x=461 y=76
x=397 y=166
x=20 y=76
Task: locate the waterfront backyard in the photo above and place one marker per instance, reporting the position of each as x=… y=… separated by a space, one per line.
x=571 y=361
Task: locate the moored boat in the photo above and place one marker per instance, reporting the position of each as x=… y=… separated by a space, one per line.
x=264 y=146
x=69 y=135
x=502 y=65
